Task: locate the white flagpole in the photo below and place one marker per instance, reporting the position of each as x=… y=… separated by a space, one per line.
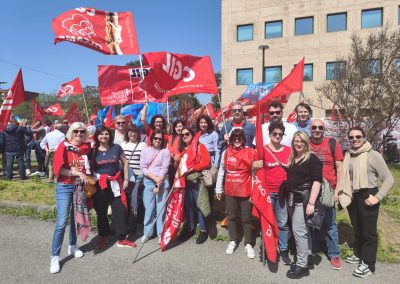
x=167 y=112
x=87 y=112
x=222 y=113
x=142 y=73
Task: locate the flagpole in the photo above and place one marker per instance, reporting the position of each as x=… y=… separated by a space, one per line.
x=222 y=113
x=168 y=113
x=87 y=112
x=142 y=73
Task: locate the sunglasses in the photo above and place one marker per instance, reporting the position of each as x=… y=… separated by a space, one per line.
x=358 y=137
x=186 y=134
x=277 y=134
x=314 y=127
x=237 y=110
x=120 y=123
x=65 y=123
x=278 y=112
x=158 y=139
x=237 y=138
x=79 y=131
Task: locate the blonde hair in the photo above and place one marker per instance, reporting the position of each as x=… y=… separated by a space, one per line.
x=74 y=126
x=304 y=137
x=120 y=116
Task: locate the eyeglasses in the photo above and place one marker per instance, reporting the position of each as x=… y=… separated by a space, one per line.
x=65 y=123
x=277 y=134
x=314 y=127
x=278 y=112
x=79 y=131
x=186 y=134
x=358 y=137
x=237 y=110
x=158 y=139
x=120 y=123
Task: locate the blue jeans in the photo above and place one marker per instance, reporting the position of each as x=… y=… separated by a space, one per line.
x=153 y=204
x=28 y=151
x=64 y=193
x=40 y=156
x=10 y=161
x=281 y=215
x=191 y=196
x=329 y=227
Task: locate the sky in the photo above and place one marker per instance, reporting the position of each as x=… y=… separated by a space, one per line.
x=178 y=26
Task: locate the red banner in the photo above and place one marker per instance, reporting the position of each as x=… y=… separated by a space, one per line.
x=54 y=110
x=73 y=115
x=14 y=97
x=120 y=85
x=71 y=88
x=262 y=202
x=174 y=74
x=38 y=112
x=174 y=214
x=210 y=110
x=106 y=32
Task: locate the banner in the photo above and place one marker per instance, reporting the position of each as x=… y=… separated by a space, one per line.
x=73 y=115
x=256 y=92
x=71 y=88
x=174 y=74
x=38 y=112
x=106 y=32
x=14 y=97
x=54 y=110
x=120 y=85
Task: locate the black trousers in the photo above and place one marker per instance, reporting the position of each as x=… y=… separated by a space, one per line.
x=239 y=208
x=364 y=220
x=101 y=200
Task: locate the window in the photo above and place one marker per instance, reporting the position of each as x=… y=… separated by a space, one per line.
x=337 y=22
x=273 y=74
x=335 y=70
x=244 y=76
x=245 y=32
x=398 y=15
x=308 y=72
x=273 y=29
x=398 y=64
x=371 y=18
x=304 y=26
x=371 y=68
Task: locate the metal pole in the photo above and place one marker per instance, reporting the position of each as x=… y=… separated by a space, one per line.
x=263 y=65
x=87 y=112
x=222 y=113
x=154 y=222
x=142 y=73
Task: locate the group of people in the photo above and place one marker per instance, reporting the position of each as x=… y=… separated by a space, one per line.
x=134 y=173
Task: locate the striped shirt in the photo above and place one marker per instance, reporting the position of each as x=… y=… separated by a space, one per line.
x=132 y=153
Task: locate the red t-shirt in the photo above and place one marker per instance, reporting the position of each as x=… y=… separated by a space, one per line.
x=274 y=173
x=323 y=152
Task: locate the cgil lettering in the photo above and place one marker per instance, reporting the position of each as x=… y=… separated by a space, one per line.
x=174 y=68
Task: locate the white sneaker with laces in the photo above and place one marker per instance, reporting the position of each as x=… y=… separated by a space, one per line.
x=42 y=174
x=54 y=264
x=75 y=251
x=249 y=251
x=231 y=247
x=143 y=239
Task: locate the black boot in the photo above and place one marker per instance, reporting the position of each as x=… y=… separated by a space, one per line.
x=202 y=237
x=285 y=257
x=297 y=272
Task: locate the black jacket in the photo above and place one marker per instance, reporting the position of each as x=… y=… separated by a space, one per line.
x=14 y=138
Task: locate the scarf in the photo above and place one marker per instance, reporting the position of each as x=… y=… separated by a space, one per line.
x=115 y=184
x=81 y=211
x=360 y=173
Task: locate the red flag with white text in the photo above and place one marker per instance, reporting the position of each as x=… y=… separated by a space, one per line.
x=120 y=85
x=262 y=208
x=71 y=88
x=174 y=74
x=174 y=215
x=73 y=114
x=14 y=97
x=54 y=110
x=38 y=111
x=106 y=32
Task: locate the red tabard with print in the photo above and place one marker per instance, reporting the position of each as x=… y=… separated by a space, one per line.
x=238 y=171
x=274 y=173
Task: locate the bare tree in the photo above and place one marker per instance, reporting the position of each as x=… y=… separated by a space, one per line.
x=365 y=86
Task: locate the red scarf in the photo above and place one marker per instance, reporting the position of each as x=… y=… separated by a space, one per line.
x=103 y=185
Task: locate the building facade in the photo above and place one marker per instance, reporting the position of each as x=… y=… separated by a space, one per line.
x=319 y=30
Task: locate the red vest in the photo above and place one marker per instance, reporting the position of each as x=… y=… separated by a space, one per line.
x=238 y=171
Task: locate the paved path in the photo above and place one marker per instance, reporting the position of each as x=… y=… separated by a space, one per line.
x=25 y=250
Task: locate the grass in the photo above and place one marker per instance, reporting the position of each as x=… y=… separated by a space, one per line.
x=30 y=212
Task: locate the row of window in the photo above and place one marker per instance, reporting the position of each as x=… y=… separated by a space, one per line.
x=334 y=70
x=370 y=18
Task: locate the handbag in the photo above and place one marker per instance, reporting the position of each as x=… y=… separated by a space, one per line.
x=326 y=198
x=316 y=219
x=90 y=187
x=210 y=175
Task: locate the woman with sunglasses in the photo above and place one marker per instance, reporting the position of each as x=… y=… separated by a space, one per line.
x=196 y=194
x=71 y=167
x=158 y=123
x=120 y=129
x=304 y=178
x=359 y=193
x=276 y=158
x=154 y=162
x=208 y=137
x=234 y=176
x=173 y=147
x=110 y=187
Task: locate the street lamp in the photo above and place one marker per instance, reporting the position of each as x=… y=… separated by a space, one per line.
x=263 y=48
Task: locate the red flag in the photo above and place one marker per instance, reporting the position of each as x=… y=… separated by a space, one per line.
x=333 y=116
x=73 y=114
x=174 y=215
x=108 y=121
x=262 y=202
x=210 y=110
x=54 y=110
x=14 y=97
x=71 y=88
x=93 y=116
x=292 y=116
x=174 y=74
x=120 y=85
x=103 y=31
x=38 y=112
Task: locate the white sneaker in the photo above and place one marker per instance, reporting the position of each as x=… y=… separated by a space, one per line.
x=143 y=239
x=55 y=264
x=27 y=172
x=159 y=240
x=75 y=251
x=35 y=173
x=42 y=174
x=249 y=251
x=231 y=247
